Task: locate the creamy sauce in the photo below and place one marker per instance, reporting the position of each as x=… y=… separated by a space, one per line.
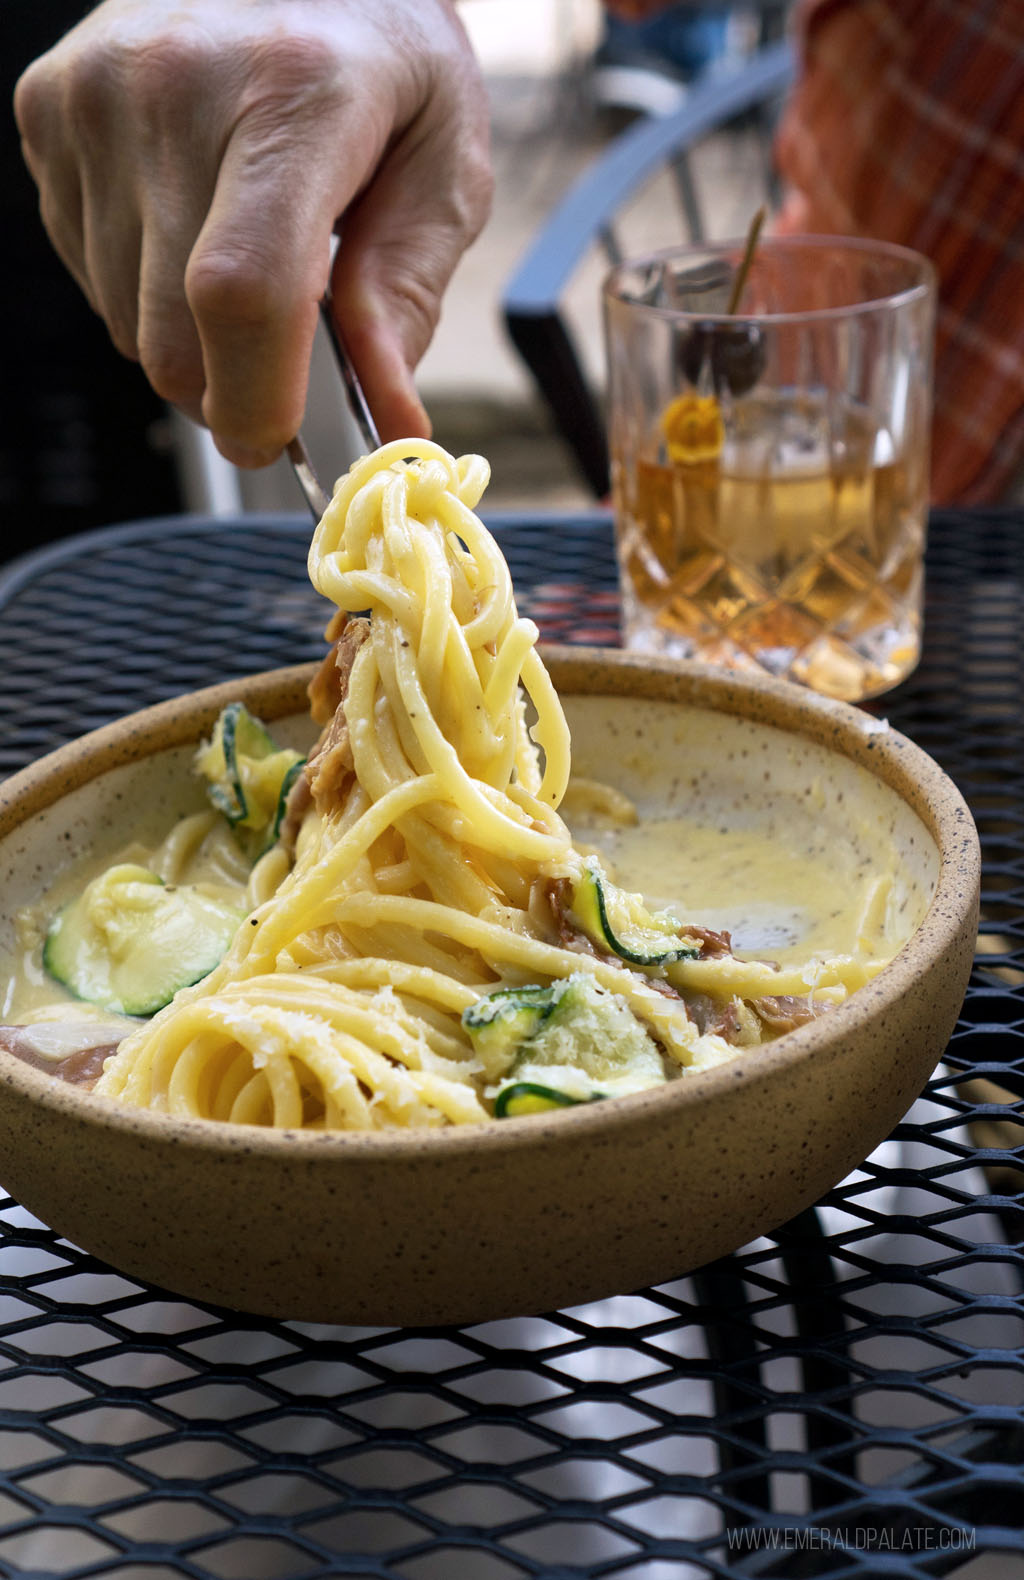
x=779 y=897
x=777 y=901
x=791 y=847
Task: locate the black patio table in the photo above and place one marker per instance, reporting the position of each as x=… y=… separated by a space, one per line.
x=842 y=1398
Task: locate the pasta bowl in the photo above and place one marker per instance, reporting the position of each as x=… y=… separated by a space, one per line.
x=478 y=1221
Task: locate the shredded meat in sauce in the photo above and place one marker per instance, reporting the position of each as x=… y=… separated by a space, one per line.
x=712 y=945
x=82 y=1068
x=300 y=799
x=740 y=1022
x=329 y=766
x=710 y=1015
x=782 y=1012
x=746 y=1022
x=570 y=936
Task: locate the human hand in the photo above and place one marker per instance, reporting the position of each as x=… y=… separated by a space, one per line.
x=193 y=161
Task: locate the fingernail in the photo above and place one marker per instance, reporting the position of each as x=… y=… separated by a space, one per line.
x=242 y=455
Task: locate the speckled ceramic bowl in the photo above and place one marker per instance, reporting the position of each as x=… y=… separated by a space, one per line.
x=532 y=1213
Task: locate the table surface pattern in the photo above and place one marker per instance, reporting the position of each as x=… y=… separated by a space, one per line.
x=842 y=1398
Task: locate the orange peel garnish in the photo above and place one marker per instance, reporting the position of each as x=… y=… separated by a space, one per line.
x=693 y=429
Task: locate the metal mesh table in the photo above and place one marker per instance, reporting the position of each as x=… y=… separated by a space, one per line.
x=842 y=1398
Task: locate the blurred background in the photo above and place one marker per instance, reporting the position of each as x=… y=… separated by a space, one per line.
x=84 y=443
x=564 y=81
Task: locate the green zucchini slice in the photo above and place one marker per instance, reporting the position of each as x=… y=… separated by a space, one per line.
x=248 y=776
x=291 y=774
x=129 y=942
x=528 y=1097
x=571 y=1042
x=622 y=923
x=499 y=1024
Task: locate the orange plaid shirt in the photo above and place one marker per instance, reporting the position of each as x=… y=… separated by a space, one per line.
x=907 y=125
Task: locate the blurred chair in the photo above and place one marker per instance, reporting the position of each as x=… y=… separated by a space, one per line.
x=586 y=217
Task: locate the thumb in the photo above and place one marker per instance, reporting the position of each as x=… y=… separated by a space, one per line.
x=399 y=246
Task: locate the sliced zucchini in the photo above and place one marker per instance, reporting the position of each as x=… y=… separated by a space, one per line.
x=622 y=923
x=528 y=1097
x=499 y=1024
x=248 y=776
x=129 y=942
x=591 y=1044
x=291 y=774
x=571 y=1042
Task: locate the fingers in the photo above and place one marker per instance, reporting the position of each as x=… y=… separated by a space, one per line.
x=83 y=159
x=111 y=249
x=253 y=284
x=257 y=337
x=382 y=353
x=53 y=168
x=169 y=345
x=400 y=244
x=192 y=170
x=297 y=154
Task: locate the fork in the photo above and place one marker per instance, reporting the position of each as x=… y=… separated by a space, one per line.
x=315 y=494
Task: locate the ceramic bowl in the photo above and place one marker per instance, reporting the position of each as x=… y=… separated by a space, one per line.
x=521 y=1215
